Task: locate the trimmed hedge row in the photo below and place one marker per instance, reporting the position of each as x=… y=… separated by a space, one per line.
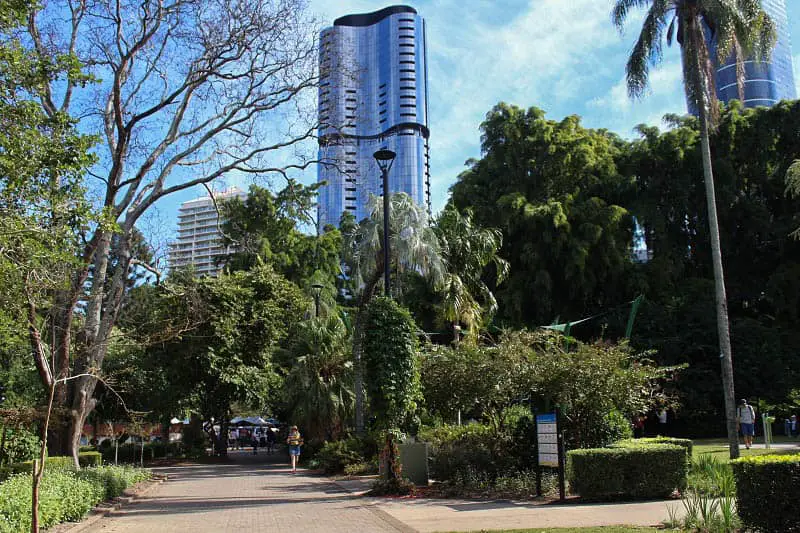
x=685 y=443
x=64 y=495
x=627 y=471
x=85 y=459
x=767 y=488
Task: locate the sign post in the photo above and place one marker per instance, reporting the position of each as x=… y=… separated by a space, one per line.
x=549 y=449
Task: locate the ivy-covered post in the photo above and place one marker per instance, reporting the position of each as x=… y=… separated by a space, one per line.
x=390 y=364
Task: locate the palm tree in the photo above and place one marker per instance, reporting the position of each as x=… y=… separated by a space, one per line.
x=413 y=246
x=740 y=29
x=467 y=250
x=318 y=387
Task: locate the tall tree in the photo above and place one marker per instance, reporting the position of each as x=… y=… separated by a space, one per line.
x=553 y=189
x=413 y=246
x=740 y=29
x=468 y=251
x=188 y=91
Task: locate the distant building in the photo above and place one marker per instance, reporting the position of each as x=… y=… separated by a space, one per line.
x=199 y=241
x=373 y=94
x=766 y=83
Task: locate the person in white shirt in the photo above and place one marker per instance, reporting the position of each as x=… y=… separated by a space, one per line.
x=746 y=416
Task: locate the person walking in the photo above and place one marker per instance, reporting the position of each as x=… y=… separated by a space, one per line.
x=746 y=416
x=294 y=440
x=271 y=438
x=794 y=426
x=254 y=442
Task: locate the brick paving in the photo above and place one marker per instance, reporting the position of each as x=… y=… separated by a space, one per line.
x=250 y=494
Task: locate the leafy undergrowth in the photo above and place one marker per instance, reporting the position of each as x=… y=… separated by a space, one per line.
x=64 y=496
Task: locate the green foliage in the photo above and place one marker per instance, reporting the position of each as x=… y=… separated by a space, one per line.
x=766 y=491
x=85 y=459
x=390 y=363
x=20 y=445
x=627 y=472
x=266 y=228
x=64 y=495
x=708 y=475
x=598 y=385
x=318 y=391
x=334 y=457
x=553 y=189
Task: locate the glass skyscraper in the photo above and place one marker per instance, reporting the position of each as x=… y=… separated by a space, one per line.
x=373 y=95
x=766 y=83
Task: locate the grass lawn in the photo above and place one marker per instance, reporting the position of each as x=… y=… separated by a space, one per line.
x=719 y=447
x=604 y=529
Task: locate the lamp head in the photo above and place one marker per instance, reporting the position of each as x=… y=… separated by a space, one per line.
x=384 y=157
x=316 y=288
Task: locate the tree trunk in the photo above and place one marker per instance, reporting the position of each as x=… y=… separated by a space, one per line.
x=726 y=353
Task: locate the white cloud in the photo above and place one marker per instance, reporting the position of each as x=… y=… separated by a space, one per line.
x=797 y=73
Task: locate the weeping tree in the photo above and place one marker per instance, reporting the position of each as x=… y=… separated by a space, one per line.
x=182 y=92
x=740 y=30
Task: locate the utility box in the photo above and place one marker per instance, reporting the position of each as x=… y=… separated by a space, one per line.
x=414 y=458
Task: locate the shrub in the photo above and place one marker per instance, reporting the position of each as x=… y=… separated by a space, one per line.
x=335 y=456
x=85 y=459
x=766 y=491
x=461 y=451
x=684 y=443
x=90 y=459
x=64 y=495
x=627 y=472
x=21 y=445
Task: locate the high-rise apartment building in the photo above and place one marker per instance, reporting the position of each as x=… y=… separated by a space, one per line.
x=768 y=82
x=373 y=95
x=200 y=241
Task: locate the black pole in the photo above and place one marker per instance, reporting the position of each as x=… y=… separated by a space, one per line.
x=562 y=486
x=316 y=306
x=386 y=267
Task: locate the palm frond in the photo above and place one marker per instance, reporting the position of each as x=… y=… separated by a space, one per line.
x=648 y=50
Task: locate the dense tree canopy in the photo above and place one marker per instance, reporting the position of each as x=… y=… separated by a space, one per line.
x=553 y=189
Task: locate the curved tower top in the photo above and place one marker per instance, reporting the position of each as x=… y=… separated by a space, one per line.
x=373 y=94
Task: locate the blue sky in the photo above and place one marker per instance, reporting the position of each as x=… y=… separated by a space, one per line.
x=563 y=56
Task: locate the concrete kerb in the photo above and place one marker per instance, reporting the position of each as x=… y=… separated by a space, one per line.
x=358 y=487
x=102 y=509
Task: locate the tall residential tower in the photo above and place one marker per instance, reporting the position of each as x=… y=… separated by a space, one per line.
x=766 y=83
x=373 y=94
x=200 y=244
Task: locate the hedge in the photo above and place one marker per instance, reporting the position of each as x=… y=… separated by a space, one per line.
x=627 y=471
x=767 y=488
x=64 y=495
x=85 y=459
x=685 y=443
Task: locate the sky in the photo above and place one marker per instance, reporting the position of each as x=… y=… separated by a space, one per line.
x=563 y=56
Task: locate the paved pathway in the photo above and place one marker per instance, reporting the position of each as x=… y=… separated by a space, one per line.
x=247 y=495
x=255 y=494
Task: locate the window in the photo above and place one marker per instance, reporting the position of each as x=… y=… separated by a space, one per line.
x=408 y=79
x=324 y=84
x=405 y=133
x=382 y=111
x=382 y=120
x=407 y=28
x=350 y=162
x=407 y=63
x=349 y=198
x=381 y=86
x=408 y=70
x=406 y=20
x=350 y=189
x=407 y=88
x=407 y=96
x=407 y=45
x=350 y=153
x=406 y=36
x=382 y=94
x=350 y=208
x=351 y=91
x=407 y=54
x=350 y=108
x=408 y=114
x=349 y=99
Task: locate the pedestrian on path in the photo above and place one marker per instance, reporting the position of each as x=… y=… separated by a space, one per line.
x=254 y=442
x=271 y=438
x=294 y=440
x=746 y=416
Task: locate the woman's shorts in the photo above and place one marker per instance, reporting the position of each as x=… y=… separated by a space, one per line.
x=748 y=429
x=294 y=450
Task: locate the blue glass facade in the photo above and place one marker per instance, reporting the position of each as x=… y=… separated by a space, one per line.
x=373 y=94
x=766 y=83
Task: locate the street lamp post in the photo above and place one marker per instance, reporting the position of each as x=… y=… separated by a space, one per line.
x=316 y=290
x=385 y=158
